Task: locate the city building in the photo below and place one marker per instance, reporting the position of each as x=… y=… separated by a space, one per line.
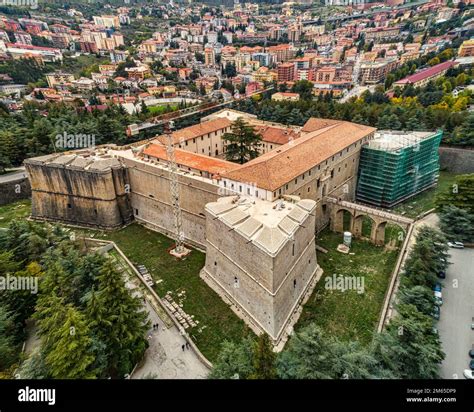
x=423 y=77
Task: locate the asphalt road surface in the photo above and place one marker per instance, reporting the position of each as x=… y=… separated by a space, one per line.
x=457 y=313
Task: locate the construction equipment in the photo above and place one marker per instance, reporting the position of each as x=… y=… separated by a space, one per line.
x=179 y=249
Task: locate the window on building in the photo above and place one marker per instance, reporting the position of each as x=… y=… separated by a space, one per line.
x=293 y=250
x=294 y=283
x=332 y=173
x=136 y=212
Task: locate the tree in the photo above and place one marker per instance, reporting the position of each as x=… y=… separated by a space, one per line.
x=118 y=321
x=464 y=134
x=457 y=223
x=264 y=359
x=8 y=348
x=419 y=296
x=230 y=70
x=69 y=354
x=312 y=355
x=235 y=361
x=409 y=347
x=304 y=88
x=242 y=142
x=459 y=194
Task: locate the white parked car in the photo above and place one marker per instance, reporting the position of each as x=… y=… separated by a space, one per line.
x=468 y=374
x=456 y=245
x=438 y=297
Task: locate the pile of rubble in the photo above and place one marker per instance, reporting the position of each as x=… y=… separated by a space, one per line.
x=176 y=309
x=145 y=274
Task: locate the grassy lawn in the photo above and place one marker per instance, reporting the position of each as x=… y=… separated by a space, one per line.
x=217 y=322
x=425 y=200
x=349 y=315
x=17 y=210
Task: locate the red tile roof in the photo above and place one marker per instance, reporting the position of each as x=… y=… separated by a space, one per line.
x=278 y=167
x=198 y=130
x=423 y=74
x=193 y=160
x=277 y=135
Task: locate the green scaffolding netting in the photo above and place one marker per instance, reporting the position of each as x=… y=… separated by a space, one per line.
x=387 y=177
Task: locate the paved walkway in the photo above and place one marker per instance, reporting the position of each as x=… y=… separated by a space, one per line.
x=12 y=176
x=165 y=358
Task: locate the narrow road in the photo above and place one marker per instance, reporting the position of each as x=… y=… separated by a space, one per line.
x=457 y=313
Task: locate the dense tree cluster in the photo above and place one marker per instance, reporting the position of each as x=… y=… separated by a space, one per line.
x=34 y=131
x=89 y=323
x=456 y=209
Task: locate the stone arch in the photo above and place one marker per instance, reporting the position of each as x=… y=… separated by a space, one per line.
x=394 y=234
x=378 y=233
x=342 y=220
x=363 y=225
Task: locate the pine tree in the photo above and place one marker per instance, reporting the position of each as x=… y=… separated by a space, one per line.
x=264 y=359
x=242 y=142
x=69 y=350
x=117 y=320
x=457 y=223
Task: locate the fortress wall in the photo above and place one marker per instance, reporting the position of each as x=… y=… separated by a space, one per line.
x=343 y=184
x=289 y=294
x=14 y=190
x=250 y=258
x=286 y=259
x=265 y=293
x=255 y=300
x=77 y=196
x=151 y=201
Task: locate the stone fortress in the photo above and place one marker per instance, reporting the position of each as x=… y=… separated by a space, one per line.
x=256 y=221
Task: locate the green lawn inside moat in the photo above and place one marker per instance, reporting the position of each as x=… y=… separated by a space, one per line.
x=217 y=322
x=349 y=315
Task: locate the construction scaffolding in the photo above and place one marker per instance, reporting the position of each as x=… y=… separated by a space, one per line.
x=397 y=165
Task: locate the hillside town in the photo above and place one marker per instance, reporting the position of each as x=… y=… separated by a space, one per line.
x=237 y=190
x=230 y=52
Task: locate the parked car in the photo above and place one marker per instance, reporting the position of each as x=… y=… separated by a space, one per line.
x=442 y=274
x=438 y=298
x=471 y=353
x=436 y=312
x=471 y=364
x=456 y=245
x=468 y=374
x=437 y=287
